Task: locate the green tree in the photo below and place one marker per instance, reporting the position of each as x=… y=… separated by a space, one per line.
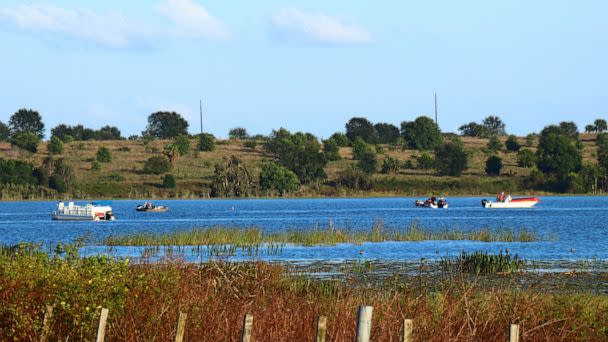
x=166 y=125
x=103 y=155
x=206 y=142
x=360 y=147
x=157 y=165
x=16 y=172
x=600 y=125
x=5 y=132
x=55 y=182
x=390 y=165
x=569 y=128
x=361 y=128
x=421 y=134
x=169 y=181
x=276 y=179
x=183 y=144
x=558 y=151
x=511 y=144
x=525 y=158
x=590 y=129
x=494 y=144
x=331 y=150
x=26 y=121
x=26 y=140
x=493 y=125
x=450 y=159
x=341 y=139
x=300 y=152
x=238 y=133
x=232 y=178
x=368 y=163
x=55 y=146
x=472 y=129
x=493 y=166
x=387 y=133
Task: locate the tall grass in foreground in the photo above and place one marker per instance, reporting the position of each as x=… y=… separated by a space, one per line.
x=309 y=237
x=144 y=300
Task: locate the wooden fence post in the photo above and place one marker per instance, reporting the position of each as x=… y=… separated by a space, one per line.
x=321 y=329
x=514 y=333
x=101 y=330
x=247 y=328
x=46 y=323
x=181 y=326
x=364 y=323
x=408 y=329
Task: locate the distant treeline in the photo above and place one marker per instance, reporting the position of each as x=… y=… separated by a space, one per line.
x=299 y=159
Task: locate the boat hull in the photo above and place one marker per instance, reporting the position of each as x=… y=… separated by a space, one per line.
x=159 y=209
x=76 y=218
x=518 y=203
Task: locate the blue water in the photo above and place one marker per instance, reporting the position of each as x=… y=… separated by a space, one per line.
x=570 y=228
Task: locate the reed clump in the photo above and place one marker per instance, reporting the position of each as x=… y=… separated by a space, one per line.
x=144 y=300
x=483 y=263
x=242 y=237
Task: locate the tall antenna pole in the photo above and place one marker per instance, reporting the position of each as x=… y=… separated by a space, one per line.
x=436 y=110
x=201 y=108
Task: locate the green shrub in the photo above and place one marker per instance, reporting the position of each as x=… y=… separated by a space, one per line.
x=425 y=161
x=331 y=150
x=368 y=163
x=206 y=142
x=95 y=166
x=360 y=148
x=275 y=178
x=493 y=166
x=55 y=146
x=57 y=183
x=183 y=144
x=511 y=144
x=450 y=159
x=103 y=155
x=494 y=144
x=26 y=141
x=157 y=165
x=390 y=165
x=526 y=158
x=169 y=181
x=123 y=149
x=251 y=144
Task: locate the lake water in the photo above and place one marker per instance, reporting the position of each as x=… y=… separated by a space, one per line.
x=569 y=228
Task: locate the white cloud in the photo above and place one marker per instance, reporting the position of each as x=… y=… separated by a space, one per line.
x=318 y=27
x=193 y=20
x=112 y=29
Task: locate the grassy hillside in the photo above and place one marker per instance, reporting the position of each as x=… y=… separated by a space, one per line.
x=123 y=177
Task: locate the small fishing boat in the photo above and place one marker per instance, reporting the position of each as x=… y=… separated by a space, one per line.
x=149 y=207
x=517 y=203
x=88 y=212
x=433 y=203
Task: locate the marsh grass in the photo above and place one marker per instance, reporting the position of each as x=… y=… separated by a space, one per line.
x=247 y=237
x=144 y=300
x=483 y=263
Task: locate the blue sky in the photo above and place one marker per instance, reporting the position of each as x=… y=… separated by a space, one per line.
x=304 y=65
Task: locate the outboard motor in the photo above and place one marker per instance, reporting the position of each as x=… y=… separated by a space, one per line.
x=483 y=202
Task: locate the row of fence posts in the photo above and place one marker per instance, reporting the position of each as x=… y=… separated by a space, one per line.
x=364 y=327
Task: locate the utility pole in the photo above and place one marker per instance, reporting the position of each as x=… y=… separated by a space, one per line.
x=436 y=110
x=201 y=109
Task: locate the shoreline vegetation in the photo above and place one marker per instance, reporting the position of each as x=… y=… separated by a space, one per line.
x=144 y=300
x=366 y=159
x=248 y=237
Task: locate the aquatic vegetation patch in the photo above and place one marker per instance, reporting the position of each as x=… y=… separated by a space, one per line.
x=483 y=263
x=247 y=237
